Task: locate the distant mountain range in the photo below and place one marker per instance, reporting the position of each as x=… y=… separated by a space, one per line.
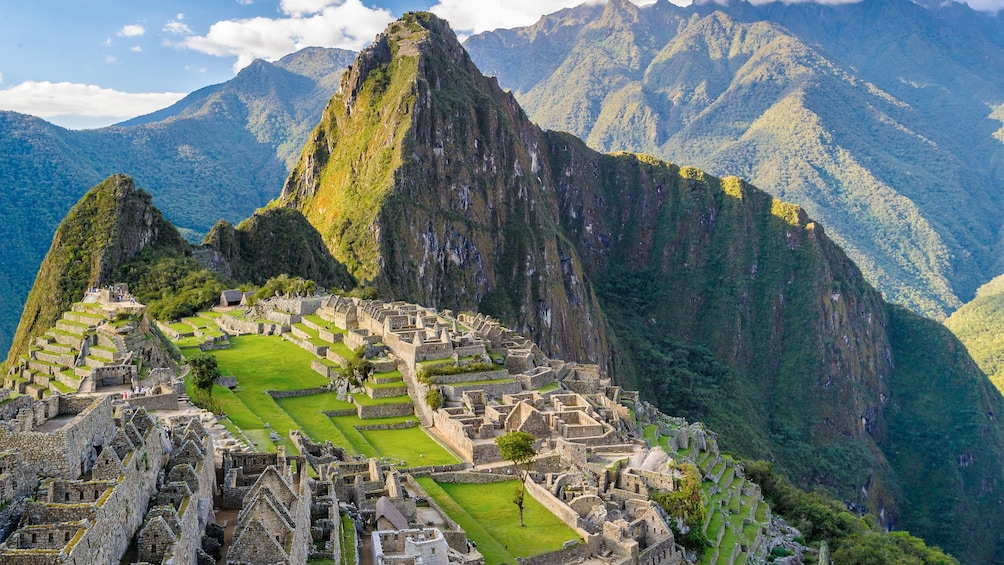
x=219 y=153
x=882 y=118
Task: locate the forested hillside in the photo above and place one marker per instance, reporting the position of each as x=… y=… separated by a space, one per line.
x=219 y=153
x=874 y=116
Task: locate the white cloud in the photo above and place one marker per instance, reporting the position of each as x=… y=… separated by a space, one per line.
x=49 y=99
x=107 y=42
x=136 y=49
x=177 y=28
x=132 y=30
x=1 y=78
x=111 y=59
x=486 y=15
x=324 y=23
x=245 y=2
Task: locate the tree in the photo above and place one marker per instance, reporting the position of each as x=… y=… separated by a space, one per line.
x=204 y=371
x=518 y=447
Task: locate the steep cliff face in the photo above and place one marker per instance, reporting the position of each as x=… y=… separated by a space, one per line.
x=113 y=223
x=717 y=300
x=272 y=242
x=426 y=179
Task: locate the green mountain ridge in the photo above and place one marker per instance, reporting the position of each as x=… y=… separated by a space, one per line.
x=839 y=109
x=220 y=153
x=716 y=300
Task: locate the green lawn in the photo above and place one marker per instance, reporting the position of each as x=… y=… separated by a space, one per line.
x=261 y=363
x=413 y=445
x=488 y=515
x=308 y=412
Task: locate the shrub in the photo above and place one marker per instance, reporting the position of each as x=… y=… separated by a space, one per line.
x=434 y=398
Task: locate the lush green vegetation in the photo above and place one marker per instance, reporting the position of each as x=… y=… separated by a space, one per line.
x=979 y=324
x=686 y=502
x=490 y=519
x=851 y=538
x=102 y=231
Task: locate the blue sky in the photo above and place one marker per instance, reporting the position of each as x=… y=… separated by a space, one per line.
x=89 y=63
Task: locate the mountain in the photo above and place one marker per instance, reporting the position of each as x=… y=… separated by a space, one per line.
x=221 y=152
x=718 y=301
x=881 y=118
x=115 y=234
x=113 y=223
x=272 y=242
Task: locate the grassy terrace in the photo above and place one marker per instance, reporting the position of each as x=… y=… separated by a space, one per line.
x=267 y=362
x=394 y=375
x=367 y=401
x=488 y=515
x=315 y=319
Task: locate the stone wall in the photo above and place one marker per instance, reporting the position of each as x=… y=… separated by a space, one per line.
x=371 y=411
x=277 y=394
x=461 y=378
x=165 y=401
x=564 y=512
x=497 y=390
x=662 y=553
x=114 y=375
x=455 y=536
x=472 y=478
x=299 y=306
x=66 y=452
x=326 y=371
x=574 y=553
x=118 y=512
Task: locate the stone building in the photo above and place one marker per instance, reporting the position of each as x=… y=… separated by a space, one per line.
x=273 y=527
x=91 y=520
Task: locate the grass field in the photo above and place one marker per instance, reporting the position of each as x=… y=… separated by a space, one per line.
x=488 y=515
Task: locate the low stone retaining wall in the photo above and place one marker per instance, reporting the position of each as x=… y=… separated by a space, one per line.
x=283 y=318
x=385 y=391
x=372 y=411
x=378 y=427
x=326 y=371
x=330 y=355
x=461 y=378
x=346 y=412
x=455 y=392
x=277 y=394
x=472 y=478
x=571 y=554
x=317 y=350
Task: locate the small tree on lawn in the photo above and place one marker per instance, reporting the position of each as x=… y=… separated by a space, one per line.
x=204 y=371
x=518 y=447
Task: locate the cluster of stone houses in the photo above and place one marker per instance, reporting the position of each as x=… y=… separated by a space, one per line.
x=84 y=478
